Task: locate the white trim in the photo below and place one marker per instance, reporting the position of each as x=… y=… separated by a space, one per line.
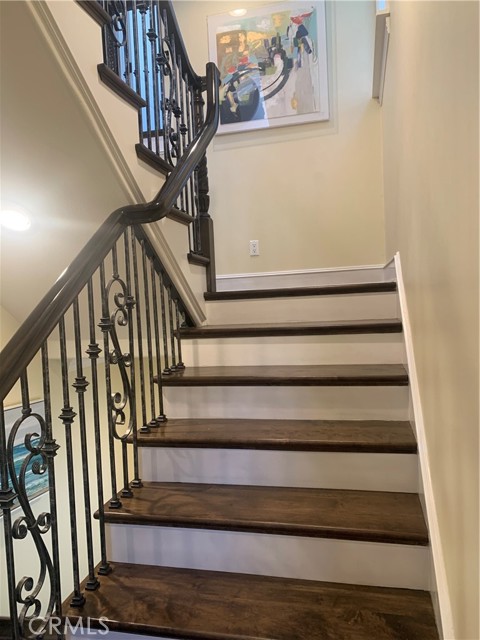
x=305 y=277
x=439 y=587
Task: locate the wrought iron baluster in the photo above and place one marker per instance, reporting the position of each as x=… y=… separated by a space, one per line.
x=171 y=150
x=136 y=482
x=164 y=70
x=142 y=6
x=105 y=325
x=7 y=499
x=136 y=60
x=51 y=448
x=80 y=385
x=93 y=352
x=161 y=417
x=153 y=39
x=180 y=364
x=144 y=428
x=146 y=293
x=120 y=400
x=167 y=370
x=67 y=416
x=174 y=365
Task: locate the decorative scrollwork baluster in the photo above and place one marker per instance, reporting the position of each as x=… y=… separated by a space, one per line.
x=39 y=449
x=122 y=401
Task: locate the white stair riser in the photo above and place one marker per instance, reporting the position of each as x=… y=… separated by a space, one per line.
x=302 y=350
x=365 y=306
x=288 y=403
x=363 y=471
x=351 y=562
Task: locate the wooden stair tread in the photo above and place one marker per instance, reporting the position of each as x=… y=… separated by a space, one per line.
x=288 y=292
x=373 y=516
x=211 y=605
x=299 y=376
x=294 y=435
x=293 y=328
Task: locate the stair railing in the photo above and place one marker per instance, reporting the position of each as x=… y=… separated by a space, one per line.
x=83 y=364
x=144 y=49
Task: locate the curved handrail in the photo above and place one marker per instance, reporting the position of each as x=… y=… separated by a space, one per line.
x=26 y=342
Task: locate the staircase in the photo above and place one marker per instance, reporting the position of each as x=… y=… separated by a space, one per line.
x=279 y=501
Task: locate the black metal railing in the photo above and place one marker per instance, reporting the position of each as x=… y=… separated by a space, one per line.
x=143 y=45
x=83 y=365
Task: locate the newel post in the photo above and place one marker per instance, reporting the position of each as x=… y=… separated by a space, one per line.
x=207 y=246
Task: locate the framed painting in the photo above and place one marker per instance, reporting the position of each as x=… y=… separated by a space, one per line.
x=36 y=483
x=273 y=65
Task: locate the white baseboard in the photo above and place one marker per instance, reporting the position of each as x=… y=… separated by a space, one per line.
x=439 y=586
x=306 y=277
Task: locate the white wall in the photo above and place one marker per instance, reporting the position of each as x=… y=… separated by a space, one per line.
x=311 y=194
x=430 y=122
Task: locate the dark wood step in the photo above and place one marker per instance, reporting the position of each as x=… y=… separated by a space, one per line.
x=361 y=436
x=373 y=516
x=152 y=159
x=210 y=605
x=295 y=376
x=121 y=88
x=342 y=327
x=198 y=259
x=288 y=292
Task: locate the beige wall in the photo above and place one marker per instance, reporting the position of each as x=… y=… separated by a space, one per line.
x=311 y=194
x=430 y=121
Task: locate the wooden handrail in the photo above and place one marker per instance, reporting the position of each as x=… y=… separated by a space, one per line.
x=27 y=341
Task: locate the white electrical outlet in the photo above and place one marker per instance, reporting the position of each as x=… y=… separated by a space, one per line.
x=254 y=248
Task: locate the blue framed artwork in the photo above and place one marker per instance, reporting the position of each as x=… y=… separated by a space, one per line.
x=36 y=483
x=273 y=65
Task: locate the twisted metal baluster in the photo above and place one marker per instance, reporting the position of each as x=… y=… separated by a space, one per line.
x=67 y=416
x=7 y=499
x=136 y=482
x=93 y=352
x=153 y=423
x=80 y=385
x=105 y=325
x=161 y=417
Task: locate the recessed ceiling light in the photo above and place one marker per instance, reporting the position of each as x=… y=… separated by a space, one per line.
x=238 y=13
x=15 y=219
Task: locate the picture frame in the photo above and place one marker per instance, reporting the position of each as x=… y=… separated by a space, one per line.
x=273 y=65
x=36 y=484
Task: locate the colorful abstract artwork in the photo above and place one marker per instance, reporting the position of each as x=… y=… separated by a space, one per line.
x=273 y=66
